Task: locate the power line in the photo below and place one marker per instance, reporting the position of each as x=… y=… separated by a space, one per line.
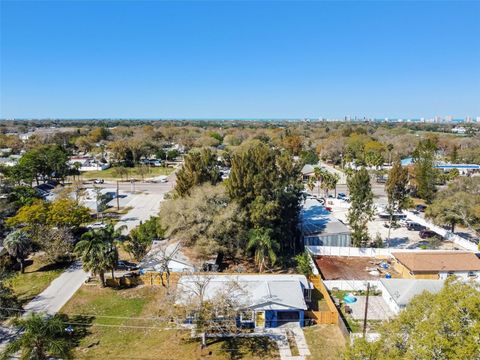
x=167 y=319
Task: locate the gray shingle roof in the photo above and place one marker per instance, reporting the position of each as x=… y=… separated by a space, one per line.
x=316 y=220
x=403 y=290
x=261 y=292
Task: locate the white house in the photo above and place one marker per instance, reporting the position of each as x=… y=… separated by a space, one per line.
x=398 y=293
x=270 y=300
x=459 y=130
x=162 y=249
x=88 y=163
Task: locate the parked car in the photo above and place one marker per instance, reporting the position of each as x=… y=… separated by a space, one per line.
x=394 y=225
x=126 y=265
x=413 y=226
x=420 y=208
x=98 y=181
x=341 y=196
x=97 y=225
x=329 y=209
x=425 y=234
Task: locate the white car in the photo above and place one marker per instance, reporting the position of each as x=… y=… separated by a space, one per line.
x=97 y=225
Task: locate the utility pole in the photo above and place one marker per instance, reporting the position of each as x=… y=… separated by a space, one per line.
x=118 y=201
x=132 y=182
x=366 y=311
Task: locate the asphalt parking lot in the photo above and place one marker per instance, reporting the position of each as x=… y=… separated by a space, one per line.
x=400 y=237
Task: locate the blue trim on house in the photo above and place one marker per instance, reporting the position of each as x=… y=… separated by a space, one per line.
x=272 y=317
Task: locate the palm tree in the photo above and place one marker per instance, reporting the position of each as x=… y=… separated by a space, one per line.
x=98 y=250
x=319 y=174
x=331 y=182
x=390 y=148
x=112 y=258
x=325 y=185
x=265 y=247
x=41 y=338
x=92 y=250
x=113 y=236
x=311 y=183
x=18 y=245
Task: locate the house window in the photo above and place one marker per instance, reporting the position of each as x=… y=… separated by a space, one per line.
x=246 y=316
x=307 y=293
x=450 y=273
x=472 y=274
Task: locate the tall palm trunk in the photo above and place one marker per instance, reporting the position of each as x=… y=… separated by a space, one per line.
x=389 y=228
x=22 y=265
x=102 y=278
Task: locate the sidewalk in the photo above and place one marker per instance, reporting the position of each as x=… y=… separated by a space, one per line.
x=279 y=335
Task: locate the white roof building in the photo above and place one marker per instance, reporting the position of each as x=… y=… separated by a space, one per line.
x=258 y=292
x=399 y=292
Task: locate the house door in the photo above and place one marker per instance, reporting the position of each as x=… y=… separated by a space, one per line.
x=260 y=319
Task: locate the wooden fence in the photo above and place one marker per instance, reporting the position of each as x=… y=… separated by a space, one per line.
x=332 y=316
x=323 y=317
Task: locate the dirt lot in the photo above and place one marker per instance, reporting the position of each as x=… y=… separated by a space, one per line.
x=350 y=268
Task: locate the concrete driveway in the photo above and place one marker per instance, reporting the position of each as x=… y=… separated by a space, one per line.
x=52 y=299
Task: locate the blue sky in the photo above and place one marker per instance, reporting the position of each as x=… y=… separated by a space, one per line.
x=225 y=59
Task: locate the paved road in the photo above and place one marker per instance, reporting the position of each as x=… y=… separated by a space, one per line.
x=52 y=299
x=342 y=176
x=143 y=197
x=145 y=204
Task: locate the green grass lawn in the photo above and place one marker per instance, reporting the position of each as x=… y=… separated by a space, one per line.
x=110 y=173
x=325 y=342
x=140 y=336
x=36 y=278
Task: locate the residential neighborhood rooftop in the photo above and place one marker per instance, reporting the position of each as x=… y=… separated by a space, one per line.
x=351 y=268
x=317 y=220
x=261 y=292
x=438 y=261
x=403 y=290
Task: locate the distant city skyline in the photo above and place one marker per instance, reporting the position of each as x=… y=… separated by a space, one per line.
x=240 y=60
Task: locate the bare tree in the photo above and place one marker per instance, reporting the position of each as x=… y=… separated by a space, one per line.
x=164 y=256
x=213 y=309
x=78 y=190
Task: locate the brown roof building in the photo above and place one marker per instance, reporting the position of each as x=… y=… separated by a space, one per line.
x=436 y=264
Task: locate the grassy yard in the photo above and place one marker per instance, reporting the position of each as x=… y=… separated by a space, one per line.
x=111 y=173
x=38 y=275
x=325 y=342
x=114 y=336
